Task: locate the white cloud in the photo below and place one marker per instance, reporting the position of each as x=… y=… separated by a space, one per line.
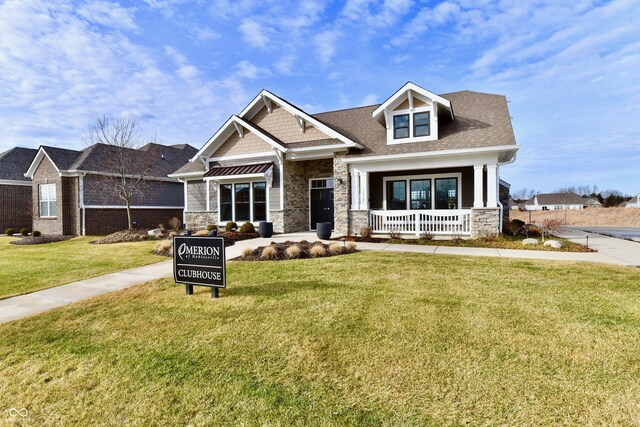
x=426 y=19
x=370 y=99
x=326 y=45
x=248 y=70
x=254 y=33
x=185 y=70
x=108 y=14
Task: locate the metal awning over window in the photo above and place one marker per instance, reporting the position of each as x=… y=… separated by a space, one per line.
x=225 y=171
x=257 y=170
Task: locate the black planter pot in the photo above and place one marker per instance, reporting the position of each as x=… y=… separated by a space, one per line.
x=265 y=229
x=323 y=230
x=213 y=233
x=187 y=233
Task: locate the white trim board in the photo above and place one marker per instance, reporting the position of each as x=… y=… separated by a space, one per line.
x=15 y=182
x=36 y=162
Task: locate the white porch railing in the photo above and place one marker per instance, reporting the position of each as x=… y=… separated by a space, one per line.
x=436 y=221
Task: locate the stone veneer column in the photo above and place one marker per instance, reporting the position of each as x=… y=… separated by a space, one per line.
x=200 y=220
x=341 y=199
x=484 y=221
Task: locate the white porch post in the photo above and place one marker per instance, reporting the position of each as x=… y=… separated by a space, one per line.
x=355 y=190
x=207 y=190
x=364 y=190
x=478 y=201
x=492 y=185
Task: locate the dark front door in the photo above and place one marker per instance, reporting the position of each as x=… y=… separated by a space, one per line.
x=321 y=202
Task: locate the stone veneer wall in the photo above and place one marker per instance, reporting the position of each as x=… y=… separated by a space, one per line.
x=484 y=221
x=199 y=220
x=341 y=195
x=357 y=220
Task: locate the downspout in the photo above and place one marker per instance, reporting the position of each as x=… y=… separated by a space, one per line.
x=500 y=222
x=82 y=208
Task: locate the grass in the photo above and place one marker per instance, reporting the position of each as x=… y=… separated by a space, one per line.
x=501 y=241
x=362 y=339
x=28 y=268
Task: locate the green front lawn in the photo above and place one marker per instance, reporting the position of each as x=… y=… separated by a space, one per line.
x=28 y=268
x=362 y=339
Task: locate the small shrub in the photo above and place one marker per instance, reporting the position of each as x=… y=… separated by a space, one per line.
x=175 y=224
x=246 y=252
x=426 y=235
x=36 y=233
x=269 y=252
x=335 y=248
x=395 y=235
x=24 y=232
x=172 y=234
x=317 y=251
x=351 y=246
x=531 y=230
x=247 y=227
x=456 y=239
x=164 y=247
x=10 y=231
x=515 y=227
x=212 y=227
x=366 y=232
x=231 y=226
x=293 y=251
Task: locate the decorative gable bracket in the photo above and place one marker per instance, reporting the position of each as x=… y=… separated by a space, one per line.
x=301 y=123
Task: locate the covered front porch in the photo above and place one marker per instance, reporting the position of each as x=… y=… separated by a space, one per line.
x=442 y=200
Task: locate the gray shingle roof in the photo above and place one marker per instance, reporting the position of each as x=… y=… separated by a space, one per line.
x=482 y=120
x=557 y=199
x=15 y=162
x=164 y=159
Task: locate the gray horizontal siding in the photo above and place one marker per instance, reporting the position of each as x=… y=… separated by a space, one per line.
x=196 y=196
x=99 y=191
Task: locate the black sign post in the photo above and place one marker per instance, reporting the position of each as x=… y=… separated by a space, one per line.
x=199 y=261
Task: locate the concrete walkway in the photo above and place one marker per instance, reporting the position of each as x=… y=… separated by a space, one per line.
x=612 y=251
x=619 y=251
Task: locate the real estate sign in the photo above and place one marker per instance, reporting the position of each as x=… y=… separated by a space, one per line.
x=199 y=261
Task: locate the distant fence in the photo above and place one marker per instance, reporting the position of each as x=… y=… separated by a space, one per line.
x=625 y=217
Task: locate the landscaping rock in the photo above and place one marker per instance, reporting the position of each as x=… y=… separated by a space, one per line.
x=553 y=244
x=530 y=242
x=154 y=232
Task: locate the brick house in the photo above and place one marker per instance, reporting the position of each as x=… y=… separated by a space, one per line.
x=15 y=188
x=417 y=162
x=72 y=195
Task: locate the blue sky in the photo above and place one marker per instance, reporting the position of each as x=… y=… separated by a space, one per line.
x=571 y=70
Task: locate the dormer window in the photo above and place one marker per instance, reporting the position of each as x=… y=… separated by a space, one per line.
x=421 y=125
x=412 y=114
x=401 y=126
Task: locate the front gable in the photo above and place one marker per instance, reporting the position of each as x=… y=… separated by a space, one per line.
x=235 y=145
x=286 y=127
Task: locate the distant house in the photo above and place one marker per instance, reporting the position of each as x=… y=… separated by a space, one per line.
x=15 y=188
x=513 y=205
x=634 y=202
x=72 y=194
x=592 y=202
x=554 y=201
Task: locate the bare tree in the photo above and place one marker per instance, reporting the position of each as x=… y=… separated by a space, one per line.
x=127 y=171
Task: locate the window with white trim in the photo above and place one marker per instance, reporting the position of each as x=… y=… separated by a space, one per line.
x=414 y=125
x=47 y=200
x=243 y=201
x=419 y=192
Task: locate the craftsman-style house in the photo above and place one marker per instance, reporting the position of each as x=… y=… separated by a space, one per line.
x=418 y=162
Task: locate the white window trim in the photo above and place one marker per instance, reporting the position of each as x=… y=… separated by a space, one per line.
x=222 y=222
x=432 y=177
x=433 y=125
x=319 y=188
x=49 y=201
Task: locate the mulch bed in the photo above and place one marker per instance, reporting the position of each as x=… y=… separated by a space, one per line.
x=362 y=239
x=230 y=239
x=40 y=240
x=305 y=251
x=125 y=236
